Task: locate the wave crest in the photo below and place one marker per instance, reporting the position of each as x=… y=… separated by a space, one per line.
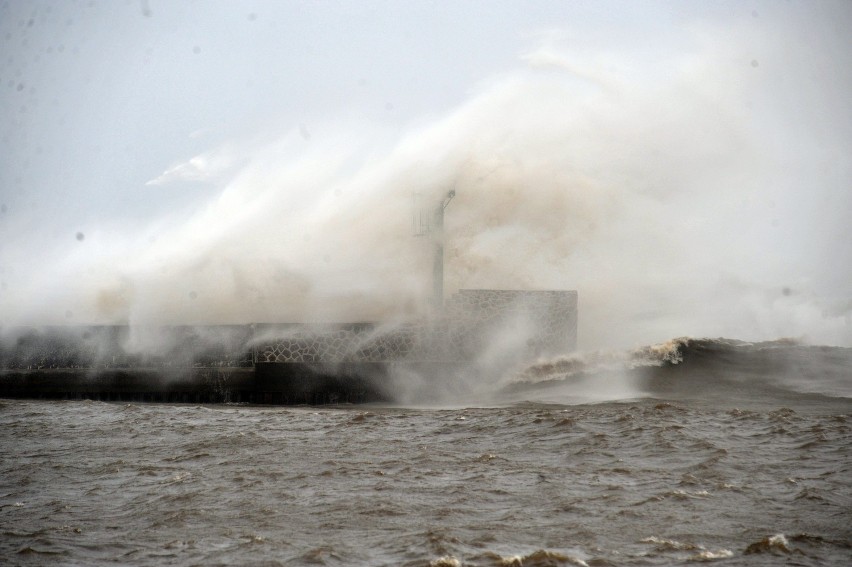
x=700 y=368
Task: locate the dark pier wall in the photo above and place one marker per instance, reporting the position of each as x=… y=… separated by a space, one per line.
x=313 y=384
x=177 y=364
x=317 y=383
x=285 y=363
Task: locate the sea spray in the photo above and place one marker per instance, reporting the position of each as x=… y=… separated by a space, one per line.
x=658 y=192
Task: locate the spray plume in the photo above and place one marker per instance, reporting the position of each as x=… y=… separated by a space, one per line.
x=679 y=201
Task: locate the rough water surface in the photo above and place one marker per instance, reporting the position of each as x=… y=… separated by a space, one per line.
x=738 y=478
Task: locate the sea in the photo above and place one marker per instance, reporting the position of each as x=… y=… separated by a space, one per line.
x=694 y=451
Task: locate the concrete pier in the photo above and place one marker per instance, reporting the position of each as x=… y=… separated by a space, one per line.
x=264 y=384
x=295 y=363
x=183 y=364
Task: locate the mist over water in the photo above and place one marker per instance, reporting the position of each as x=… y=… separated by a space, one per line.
x=698 y=191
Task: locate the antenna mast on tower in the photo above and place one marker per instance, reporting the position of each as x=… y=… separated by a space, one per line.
x=435 y=228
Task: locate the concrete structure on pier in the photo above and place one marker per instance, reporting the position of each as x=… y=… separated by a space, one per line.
x=545 y=322
x=296 y=363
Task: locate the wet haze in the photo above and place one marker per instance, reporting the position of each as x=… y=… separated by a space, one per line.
x=685 y=166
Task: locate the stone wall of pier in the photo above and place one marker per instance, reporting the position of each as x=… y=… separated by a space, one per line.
x=545 y=322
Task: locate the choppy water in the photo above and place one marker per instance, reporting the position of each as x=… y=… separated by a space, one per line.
x=730 y=470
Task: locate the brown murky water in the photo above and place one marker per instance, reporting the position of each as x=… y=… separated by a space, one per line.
x=632 y=483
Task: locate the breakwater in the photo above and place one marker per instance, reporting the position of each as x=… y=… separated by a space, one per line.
x=212 y=364
x=299 y=363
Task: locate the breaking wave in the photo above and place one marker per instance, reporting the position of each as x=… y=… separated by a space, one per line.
x=693 y=368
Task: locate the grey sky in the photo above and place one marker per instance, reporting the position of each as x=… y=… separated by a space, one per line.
x=128 y=122
x=99 y=98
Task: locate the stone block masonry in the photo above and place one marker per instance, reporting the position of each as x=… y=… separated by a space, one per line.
x=544 y=321
x=287 y=363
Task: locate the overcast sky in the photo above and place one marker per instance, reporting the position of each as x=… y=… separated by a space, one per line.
x=100 y=97
x=124 y=123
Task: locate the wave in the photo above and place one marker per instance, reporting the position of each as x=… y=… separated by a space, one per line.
x=704 y=368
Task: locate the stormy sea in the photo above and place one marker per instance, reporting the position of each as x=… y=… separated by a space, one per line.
x=692 y=451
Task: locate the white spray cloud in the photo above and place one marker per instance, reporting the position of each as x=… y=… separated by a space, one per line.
x=673 y=202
